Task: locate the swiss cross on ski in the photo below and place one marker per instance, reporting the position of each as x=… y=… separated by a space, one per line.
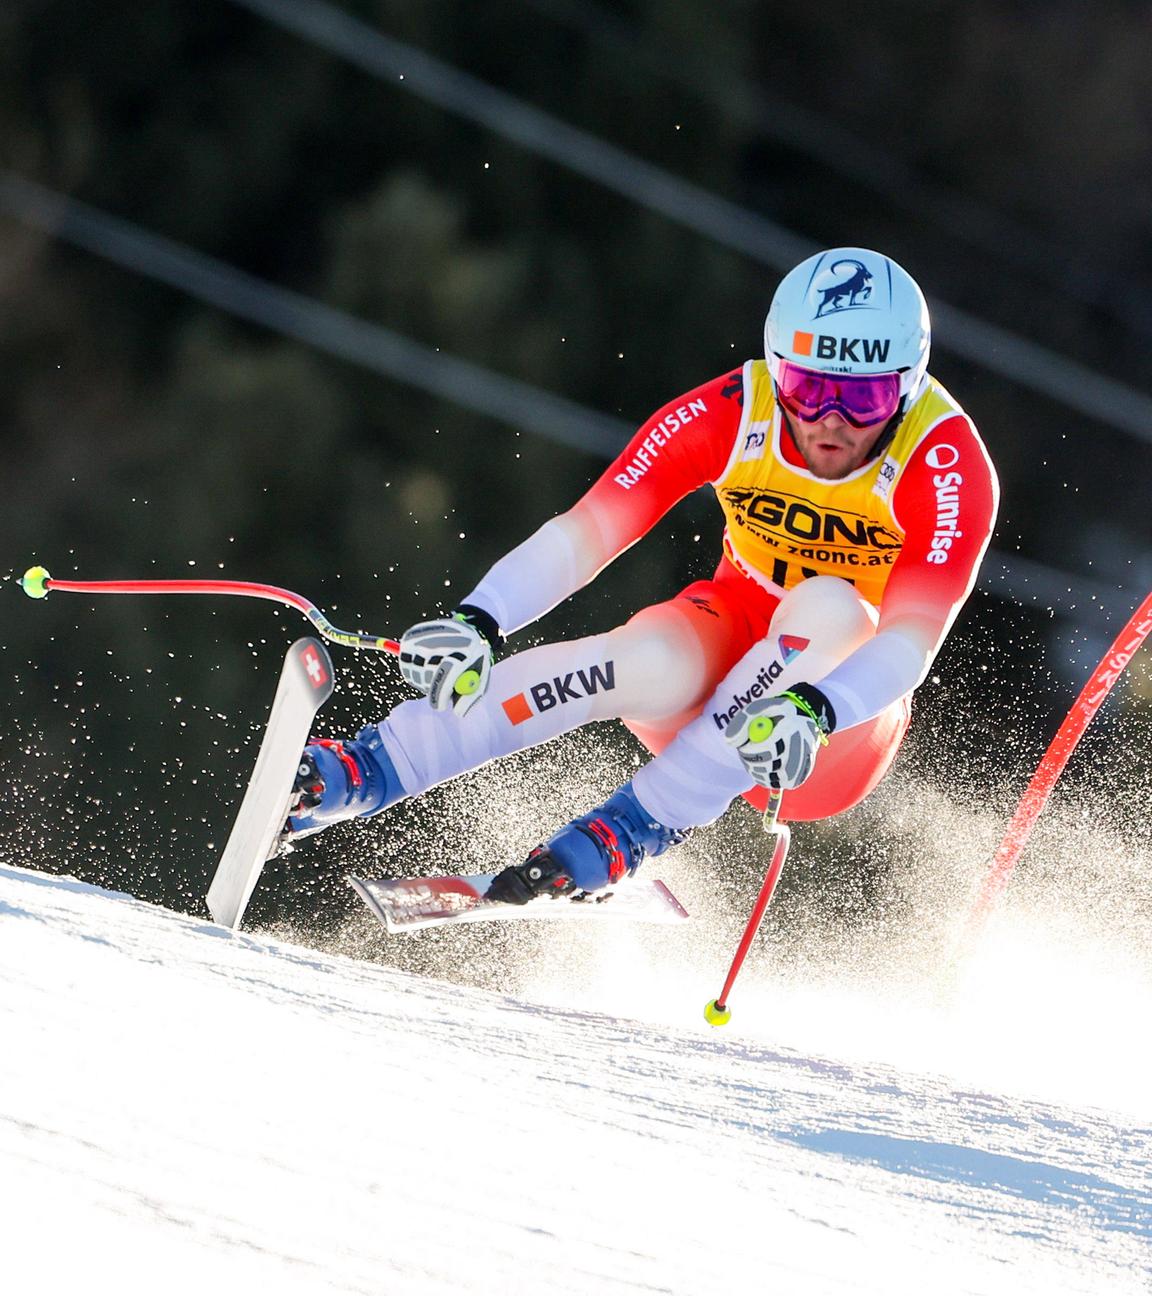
x=314 y=667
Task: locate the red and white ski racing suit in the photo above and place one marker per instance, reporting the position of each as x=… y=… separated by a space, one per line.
x=908 y=530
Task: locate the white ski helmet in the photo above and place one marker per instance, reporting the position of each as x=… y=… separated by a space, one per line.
x=850 y=311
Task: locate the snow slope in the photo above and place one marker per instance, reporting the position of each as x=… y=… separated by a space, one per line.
x=184 y=1110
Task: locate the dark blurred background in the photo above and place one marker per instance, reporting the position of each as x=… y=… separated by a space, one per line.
x=244 y=247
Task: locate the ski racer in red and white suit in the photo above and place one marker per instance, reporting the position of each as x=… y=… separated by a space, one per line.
x=849 y=549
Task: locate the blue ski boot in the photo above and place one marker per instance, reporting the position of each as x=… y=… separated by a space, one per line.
x=341 y=780
x=593 y=851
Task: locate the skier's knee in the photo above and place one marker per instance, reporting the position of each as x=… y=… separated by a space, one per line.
x=830 y=616
x=658 y=663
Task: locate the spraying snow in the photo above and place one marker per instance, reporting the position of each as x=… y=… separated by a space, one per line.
x=860 y=962
x=188 y=1107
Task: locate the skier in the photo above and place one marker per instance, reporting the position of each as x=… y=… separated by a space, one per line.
x=858 y=500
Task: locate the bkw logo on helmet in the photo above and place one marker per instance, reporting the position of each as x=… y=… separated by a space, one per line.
x=850 y=311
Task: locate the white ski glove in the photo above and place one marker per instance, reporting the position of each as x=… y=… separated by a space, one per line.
x=450 y=659
x=777 y=738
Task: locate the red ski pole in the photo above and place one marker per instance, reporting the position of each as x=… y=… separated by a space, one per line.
x=1056 y=757
x=716 y=1011
x=37 y=583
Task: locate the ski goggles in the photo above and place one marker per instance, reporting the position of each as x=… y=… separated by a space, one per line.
x=860 y=399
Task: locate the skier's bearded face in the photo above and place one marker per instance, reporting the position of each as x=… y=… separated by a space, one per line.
x=832 y=448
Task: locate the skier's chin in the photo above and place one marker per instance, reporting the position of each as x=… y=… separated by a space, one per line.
x=832 y=461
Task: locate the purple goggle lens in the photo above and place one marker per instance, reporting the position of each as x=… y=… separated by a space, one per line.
x=860 y=399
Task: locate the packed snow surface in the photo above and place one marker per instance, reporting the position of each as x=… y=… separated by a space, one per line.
x=183 y=1109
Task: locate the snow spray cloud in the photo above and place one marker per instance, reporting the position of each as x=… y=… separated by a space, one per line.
x=853 y=956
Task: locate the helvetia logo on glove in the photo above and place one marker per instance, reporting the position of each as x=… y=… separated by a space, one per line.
x=559 y=690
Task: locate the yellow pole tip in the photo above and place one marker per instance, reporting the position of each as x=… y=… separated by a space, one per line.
x=715 y=1015
x=35 y=582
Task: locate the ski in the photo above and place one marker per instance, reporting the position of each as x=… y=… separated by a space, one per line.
x=410 y=904
x=306 y=683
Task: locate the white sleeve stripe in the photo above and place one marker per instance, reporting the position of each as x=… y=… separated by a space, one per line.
x=874 y=676
x=532 y=578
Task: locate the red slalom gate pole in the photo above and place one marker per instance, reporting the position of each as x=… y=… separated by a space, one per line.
x=1052 y=765
x=716 y=1012
x=37 y=584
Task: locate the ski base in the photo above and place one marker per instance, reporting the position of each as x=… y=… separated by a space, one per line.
x=410 y=904
x=306 y=683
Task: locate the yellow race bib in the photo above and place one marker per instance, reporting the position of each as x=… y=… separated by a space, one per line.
x=784 y=524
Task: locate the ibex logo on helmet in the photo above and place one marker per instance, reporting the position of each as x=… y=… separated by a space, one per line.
x=846 y=283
